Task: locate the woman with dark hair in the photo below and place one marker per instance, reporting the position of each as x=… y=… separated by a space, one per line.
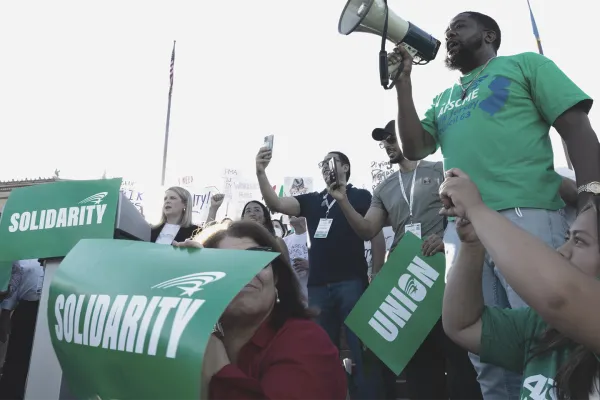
x=256 y=211
x=268 y=347
x=555 y=344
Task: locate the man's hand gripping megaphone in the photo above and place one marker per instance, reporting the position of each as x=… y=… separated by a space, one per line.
x=400 y=62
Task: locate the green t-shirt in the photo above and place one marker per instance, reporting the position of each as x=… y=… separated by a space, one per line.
x=499 y=134
x=508 y=340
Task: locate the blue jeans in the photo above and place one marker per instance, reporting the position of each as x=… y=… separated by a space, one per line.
x=550 y=227
x=335 y=301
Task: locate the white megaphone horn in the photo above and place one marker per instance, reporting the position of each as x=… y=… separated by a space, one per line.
x=370 y=16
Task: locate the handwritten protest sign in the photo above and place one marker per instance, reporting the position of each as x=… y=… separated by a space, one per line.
x=120 y=312
x=134 y=193
x=294 y=186
x=379 y=171
x=230 y=176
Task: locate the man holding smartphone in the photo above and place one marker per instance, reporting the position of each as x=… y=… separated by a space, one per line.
x=337 y=269
x=409 y=200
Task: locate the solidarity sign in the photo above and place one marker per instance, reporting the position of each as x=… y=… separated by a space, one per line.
x=130 y=320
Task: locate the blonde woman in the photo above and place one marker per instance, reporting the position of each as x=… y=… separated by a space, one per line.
x=176 y=221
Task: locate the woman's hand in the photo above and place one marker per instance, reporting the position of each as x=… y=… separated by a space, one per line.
x=466 y=232
x=217 y=200
x=189 y=243
x=459 y=194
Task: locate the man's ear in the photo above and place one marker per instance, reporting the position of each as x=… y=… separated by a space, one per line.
x=489 y=37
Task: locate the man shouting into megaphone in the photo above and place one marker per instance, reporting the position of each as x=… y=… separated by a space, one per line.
x=493 y=123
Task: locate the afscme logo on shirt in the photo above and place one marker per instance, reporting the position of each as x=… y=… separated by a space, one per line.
x=403 y=300
x=538 y=387
x=90 y=211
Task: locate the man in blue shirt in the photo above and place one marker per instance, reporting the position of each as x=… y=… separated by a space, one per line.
x=19 y=314
x=338 y=269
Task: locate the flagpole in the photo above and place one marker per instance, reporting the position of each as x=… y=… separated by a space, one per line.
x=538 y=40
x=171 y=78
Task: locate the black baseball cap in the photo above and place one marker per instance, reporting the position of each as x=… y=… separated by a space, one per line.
x=380 y=134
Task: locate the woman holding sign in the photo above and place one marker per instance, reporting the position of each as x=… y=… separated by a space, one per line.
x=555 y=344
x=269 y=347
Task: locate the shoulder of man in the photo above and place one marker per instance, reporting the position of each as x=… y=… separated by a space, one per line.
x=529 y=57
x=387 y=181
x=527 y=61
x=358 y=191
x=437 y=165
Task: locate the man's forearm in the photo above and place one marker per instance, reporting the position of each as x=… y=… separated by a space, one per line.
x=267 y=192
x=359 y=224
x=409 y=124
x=583 y=148
x=568 y=192
x=584 y=152
x=212 y=214
x=463 y=295
x=378 y=252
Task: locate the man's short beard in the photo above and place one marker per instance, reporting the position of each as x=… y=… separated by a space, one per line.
x=397 y=160
x=464 y=60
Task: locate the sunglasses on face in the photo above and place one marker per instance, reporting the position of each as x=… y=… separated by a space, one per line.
x=391 y=139
x=260 y=248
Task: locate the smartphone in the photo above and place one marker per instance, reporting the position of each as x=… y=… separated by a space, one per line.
x=268 y=142
x=332 y=172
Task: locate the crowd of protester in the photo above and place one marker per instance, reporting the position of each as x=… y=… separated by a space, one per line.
x=521 y=243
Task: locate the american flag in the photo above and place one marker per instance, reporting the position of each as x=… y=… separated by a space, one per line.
x=172 y=70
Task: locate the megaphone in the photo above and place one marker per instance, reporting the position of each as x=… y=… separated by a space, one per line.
x=374 y=16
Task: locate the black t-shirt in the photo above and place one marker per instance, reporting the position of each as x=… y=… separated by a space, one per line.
x=341 y=255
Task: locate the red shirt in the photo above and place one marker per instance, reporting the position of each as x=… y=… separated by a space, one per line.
x=298 y=361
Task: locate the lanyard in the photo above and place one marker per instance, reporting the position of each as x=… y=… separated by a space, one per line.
x=328 y=204
x=412 y=189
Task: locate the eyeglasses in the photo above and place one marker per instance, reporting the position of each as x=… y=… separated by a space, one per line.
x=325 y=162
x=391 y=139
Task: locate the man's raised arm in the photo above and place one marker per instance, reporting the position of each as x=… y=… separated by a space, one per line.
x=283 y=205
x=417 y=143
x=366 y=227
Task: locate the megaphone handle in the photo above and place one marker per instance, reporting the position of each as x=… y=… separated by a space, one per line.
x=395 y=69
x=383 y=69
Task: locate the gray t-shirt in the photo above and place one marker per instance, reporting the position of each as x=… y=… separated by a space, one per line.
x=388 y=197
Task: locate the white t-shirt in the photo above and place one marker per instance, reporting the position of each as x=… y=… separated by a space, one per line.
x=167 y=234
x=298 y=248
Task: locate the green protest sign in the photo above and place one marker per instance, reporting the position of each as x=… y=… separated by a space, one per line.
x=130 y=320
x=47 y=220
x=401 y=305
